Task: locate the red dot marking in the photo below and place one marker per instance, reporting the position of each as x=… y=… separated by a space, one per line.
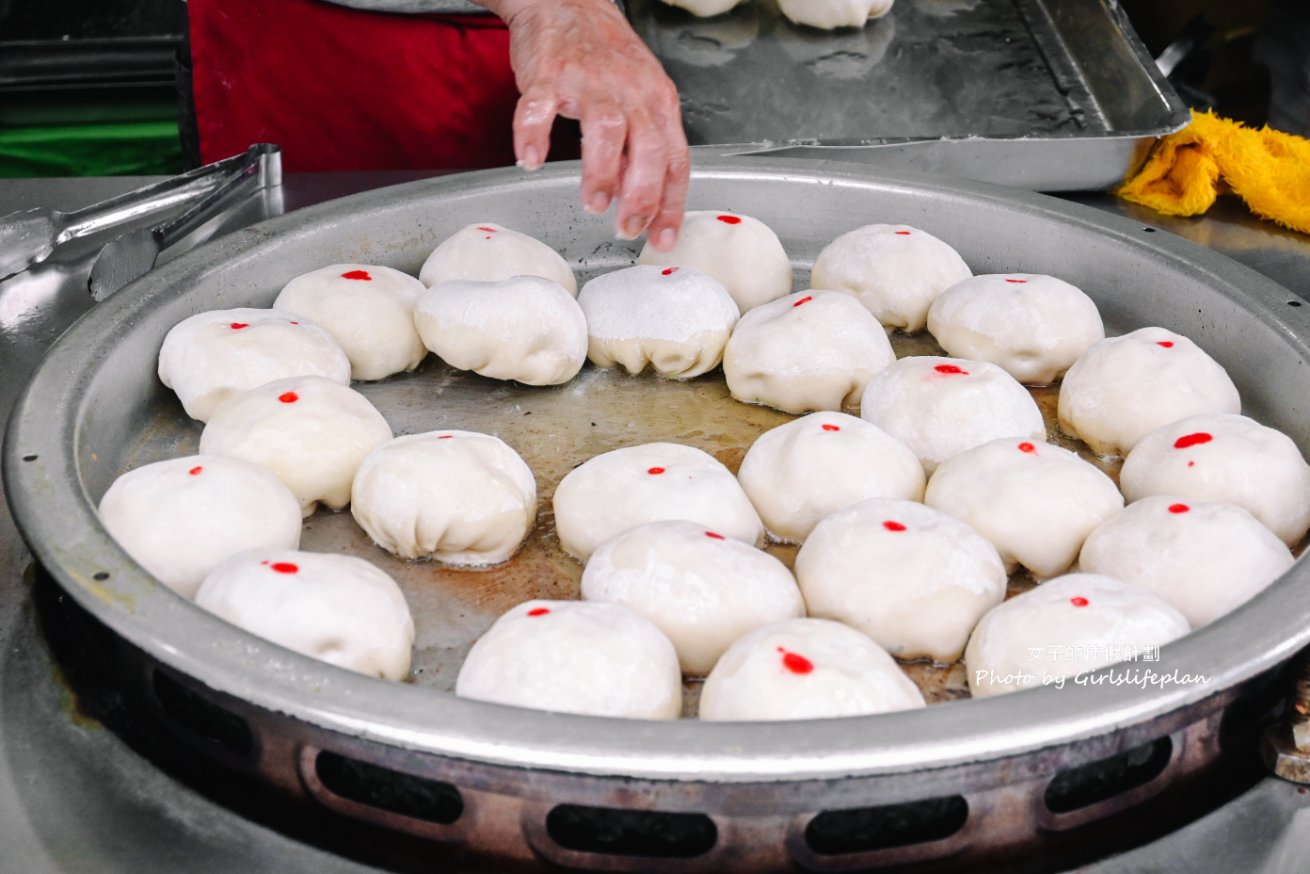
x=288 y=397
x=892 y=525
x=295 y=323
x=655 y=471
x=1079 y=601
x=951 y=370
x=1168 y=344
x=729 y=219
x=795 y=662
x=195 y=471
x=806 y=299
x=1178 y=508
x=285 y=567
x=357 y=274
x=445 y=436
x=668 y=271
x=1191 y=464
x=1189 y=440
x=237 y=326
x=487 y=229
x=263 y=562
x=1017 y=281
x=1027 y=447
x=901 y=233
x=832 y=427
x=714 y=536
x=538 y=611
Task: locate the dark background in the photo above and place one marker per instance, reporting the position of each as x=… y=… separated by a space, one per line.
x=88 y=87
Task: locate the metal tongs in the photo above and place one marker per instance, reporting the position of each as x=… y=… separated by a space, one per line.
x=133 y=255
x=29 y=237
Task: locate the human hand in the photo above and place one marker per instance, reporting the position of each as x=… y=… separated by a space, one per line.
x=580 y=59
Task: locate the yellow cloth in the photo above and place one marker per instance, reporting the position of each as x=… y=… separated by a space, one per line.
x=1267 y=169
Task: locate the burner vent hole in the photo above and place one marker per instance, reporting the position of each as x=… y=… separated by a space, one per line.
x=392 y=791
x=202 y=717
x=1085 y=785
x=631 y=832
x=867 y=829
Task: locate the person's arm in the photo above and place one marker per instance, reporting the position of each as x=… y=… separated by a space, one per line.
x=581 y=59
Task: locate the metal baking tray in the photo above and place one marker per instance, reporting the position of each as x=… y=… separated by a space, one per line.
x=1050 y=95
x=95 y=407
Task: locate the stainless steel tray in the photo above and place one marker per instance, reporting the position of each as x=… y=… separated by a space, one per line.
x=96 y=406
x=1050 y=95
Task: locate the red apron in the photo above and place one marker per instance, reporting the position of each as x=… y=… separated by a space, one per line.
x=345 y=89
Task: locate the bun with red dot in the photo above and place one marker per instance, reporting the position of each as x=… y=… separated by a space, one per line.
x=895 y=271
x=1033 y=326
x=1228 y=459
x=832 y=14
x=813 y=350
x=526 y=328
x=490 y=252
x=940 y=407
x=181 y=518
x=805 y=669
x=619 y=490
x=912 y=578
x=335 y=608
x=1064 y=627
x=310 y=432
x=676 y=320
x=212 y=357
x=1123 y=388
x=458 y=497
x=575 y=657
x=1035 y=502
x=368 y=310
x=1205 y=559
x=741 y=252
x=800 y=472
x=702 y=589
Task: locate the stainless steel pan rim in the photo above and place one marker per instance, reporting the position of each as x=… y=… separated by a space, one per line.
x=42 y=467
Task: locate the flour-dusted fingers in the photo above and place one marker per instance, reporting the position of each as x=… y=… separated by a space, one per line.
x=533 y=118
x=581 y=59
x=643 y=177
x=664 y=228
x=604 y=132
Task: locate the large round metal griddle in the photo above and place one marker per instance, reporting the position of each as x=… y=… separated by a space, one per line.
x=96 y=407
